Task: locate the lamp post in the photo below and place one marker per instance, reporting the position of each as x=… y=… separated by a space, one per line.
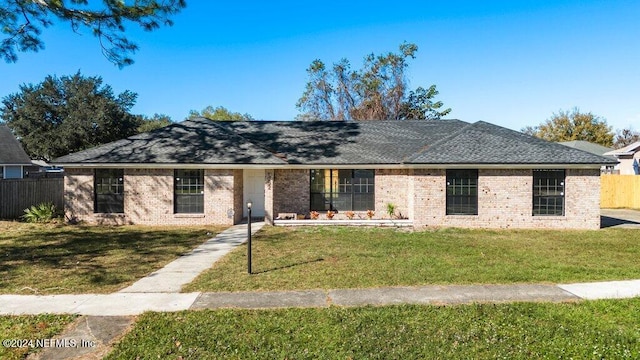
x=249 y=205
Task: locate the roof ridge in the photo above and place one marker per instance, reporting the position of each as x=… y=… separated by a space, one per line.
x=424 y=149
x=233 y=133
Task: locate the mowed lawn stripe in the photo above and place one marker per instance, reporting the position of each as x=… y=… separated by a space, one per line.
x=340 y=257
x=586 y=330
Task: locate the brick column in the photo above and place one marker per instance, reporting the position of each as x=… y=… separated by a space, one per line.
x=268 y=195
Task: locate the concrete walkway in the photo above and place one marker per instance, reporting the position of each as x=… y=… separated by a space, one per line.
x=620 y=218
x=183 y=270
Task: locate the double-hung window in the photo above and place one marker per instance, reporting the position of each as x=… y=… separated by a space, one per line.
x=109 y=191
x=548 y=192
x=462 y=192
x=342 y=190
x=188 y=191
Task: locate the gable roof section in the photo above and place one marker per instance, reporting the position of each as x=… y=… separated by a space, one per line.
x=627 y=150
x=290 y=143
x=485 y=143
x=587 y=146
x=11 y=152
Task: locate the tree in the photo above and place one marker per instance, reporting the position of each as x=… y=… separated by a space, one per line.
x=22 y=22
x=157 y=121
x=219 y=113
x=573 y=125
x=625 y=137
x=377 y=91
x=420 y=106
x=68 y=114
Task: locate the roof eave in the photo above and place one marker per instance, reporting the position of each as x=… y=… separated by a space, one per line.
x=334 y=166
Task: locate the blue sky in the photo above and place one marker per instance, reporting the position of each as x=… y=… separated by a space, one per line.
x=512 y=63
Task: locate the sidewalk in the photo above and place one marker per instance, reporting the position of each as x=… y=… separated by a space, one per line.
x=125 y=304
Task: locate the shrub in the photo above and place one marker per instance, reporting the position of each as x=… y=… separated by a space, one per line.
x=391 y=210
x=41 y=213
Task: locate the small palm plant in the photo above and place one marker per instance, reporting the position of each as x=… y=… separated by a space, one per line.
x=370 y=214
x=330 y=214
x=314 y=215
x=350 y=215
x=391 y=210
x=41 y=213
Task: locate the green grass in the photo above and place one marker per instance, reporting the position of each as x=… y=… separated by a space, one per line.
x=330 y=258
x=587 y=330
x=50 y=259
x=29 y=328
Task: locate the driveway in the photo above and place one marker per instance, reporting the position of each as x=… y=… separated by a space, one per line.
x=620 y=218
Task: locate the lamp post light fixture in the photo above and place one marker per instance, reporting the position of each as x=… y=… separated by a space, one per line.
x=249 y=205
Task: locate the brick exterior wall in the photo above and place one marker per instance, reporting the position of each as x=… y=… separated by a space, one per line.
x=392 y=187
x=78 y=194
x=291 y=192
x=269 y=196
x=238 y=195
x=148 y=198
x=505 y=200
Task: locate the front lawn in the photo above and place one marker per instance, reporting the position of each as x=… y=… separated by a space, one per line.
x=54 y=259
x=27 y=327
x=333 y=257
x=587 y=330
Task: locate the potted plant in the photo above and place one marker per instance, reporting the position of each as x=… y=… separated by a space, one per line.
x=330 y=214
x=314 y=215
x=350 y=215
x=370 y=214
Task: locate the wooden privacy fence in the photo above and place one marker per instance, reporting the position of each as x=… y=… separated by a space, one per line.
x=19 y=194
x=620 y=191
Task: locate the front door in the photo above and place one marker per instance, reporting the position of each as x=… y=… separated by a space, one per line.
x=253 y=185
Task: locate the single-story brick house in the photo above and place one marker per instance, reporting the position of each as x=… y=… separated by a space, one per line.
x=436 y=173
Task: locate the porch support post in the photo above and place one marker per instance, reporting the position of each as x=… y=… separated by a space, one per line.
x=269 y=175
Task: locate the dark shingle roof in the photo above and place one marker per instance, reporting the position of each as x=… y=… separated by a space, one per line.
x=485 y=143
x=11 y=151
x=201 y=141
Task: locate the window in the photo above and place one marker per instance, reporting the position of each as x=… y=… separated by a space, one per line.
x=189 y=191
x=462 y=192
x=109 y=191
x=342 y=190
x=548 y=192
x=13 y=172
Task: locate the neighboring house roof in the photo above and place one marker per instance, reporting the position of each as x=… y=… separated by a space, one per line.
x=11 y=152
x=587 y=146
x=627 y=150
x=202 y=141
